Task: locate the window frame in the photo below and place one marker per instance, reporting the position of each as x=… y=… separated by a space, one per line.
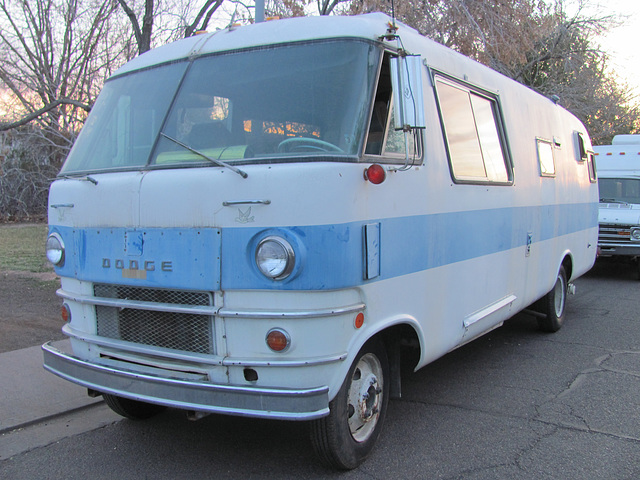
x=386 y=156
x=494 y=100
x=586 y=155
x=543 y=172
x=591 y=167
x=583 y=152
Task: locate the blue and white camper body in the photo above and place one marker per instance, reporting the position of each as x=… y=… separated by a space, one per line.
x=245 y=276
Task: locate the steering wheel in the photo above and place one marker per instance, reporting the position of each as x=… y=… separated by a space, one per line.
x=306 y=144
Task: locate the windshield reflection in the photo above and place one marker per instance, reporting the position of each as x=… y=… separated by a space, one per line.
x=297 y=101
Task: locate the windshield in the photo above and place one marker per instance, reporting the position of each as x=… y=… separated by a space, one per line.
x=295 y=101
x=619 y=190
x=124 y=122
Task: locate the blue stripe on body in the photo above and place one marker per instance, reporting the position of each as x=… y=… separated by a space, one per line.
x=328 y=256
x=152 y=257
x=334 y=253
x=442 y=239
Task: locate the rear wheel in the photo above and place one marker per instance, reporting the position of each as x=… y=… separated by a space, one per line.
x=554 y=304
x=133 y=409
x=346 y=436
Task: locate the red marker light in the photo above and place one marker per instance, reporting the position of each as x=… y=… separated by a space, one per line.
x=375 y=174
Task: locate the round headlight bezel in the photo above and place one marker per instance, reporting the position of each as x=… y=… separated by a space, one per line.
x=275 y=257
x=634 y=234
x=55 y=250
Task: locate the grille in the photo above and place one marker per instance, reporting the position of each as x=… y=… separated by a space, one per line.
x=617 y=234
x=152 y=295
x=177 y=331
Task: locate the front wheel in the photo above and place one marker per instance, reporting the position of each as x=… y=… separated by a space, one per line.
x=133 y=409
x=346 y=436
x=554 y=305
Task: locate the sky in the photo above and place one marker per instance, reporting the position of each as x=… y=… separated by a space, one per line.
x=622 y=43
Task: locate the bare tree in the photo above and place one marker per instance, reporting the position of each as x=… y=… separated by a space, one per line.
x=56 y=54
x=203 y=17
x=24 y=180
x=142 y=32
x=326 y=7
x=534 y=42
x=55 y=57
x=155 y=20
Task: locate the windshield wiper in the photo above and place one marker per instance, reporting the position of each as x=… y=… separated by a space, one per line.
x=613 y=200
x=220 y=163
x=86 y=178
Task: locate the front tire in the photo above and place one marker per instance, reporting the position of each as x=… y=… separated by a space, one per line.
x=344 y=438
x=133 y=409
x=555 y=304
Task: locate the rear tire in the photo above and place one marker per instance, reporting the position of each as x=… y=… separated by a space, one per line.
x=133 y=409
x=554 y=304
x=345 y=438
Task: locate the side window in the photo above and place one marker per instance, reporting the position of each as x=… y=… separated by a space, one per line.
x=471 y=124
x=582 y=148
x=592 y=167
x=585 y=153
x=382 y=138
x=394 y=142
x=545 y=158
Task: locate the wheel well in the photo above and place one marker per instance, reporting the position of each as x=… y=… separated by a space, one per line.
x=567 y=263
x=403 y=351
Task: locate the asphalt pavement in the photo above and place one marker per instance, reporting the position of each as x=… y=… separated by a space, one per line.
x=514 y=404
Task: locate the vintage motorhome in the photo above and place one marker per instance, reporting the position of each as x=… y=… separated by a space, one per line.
x=256 y=222
x=618 y=167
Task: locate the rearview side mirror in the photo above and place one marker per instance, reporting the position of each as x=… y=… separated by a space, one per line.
x=406 y=82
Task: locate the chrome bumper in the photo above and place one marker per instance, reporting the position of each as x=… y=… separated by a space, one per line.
x=285 y=404
x=610 y=249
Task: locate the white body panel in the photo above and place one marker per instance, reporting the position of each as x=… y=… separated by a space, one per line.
x=456 y=260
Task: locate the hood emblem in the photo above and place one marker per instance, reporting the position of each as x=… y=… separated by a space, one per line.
x=244 y=217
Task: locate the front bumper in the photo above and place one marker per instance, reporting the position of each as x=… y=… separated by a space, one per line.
x=199 y=396
x=611 y=249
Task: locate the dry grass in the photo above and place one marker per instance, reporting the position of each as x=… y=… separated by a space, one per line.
x=22 y=248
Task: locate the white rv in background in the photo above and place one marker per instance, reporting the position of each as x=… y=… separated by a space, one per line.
x=258 y=220
x=618 y=167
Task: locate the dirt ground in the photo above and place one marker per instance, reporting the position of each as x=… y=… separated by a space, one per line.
x=29 y=310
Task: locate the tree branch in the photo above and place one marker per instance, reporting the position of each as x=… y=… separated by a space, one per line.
x=32 y=116
x=204 y=14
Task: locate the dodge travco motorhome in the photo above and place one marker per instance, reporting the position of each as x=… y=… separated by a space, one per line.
x=257 y=221
x=619 y=182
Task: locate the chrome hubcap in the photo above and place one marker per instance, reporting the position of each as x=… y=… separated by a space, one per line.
x=365 y=397
x=559 y=296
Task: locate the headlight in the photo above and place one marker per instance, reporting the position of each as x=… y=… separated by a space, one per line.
x=635 y=234
x=55 y=249
x=275 y=257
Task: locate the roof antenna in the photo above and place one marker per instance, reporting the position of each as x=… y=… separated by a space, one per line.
x=392 y=28
x=393 y=13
